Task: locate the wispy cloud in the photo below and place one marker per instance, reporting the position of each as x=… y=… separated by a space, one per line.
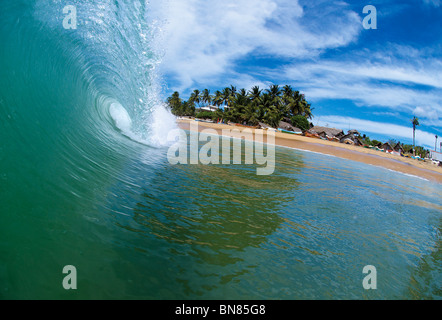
x=412 y=86
x=205 y=38
x=435 y=3
x=316 y=46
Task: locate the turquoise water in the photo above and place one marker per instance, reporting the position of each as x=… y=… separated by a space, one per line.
x=85 y=181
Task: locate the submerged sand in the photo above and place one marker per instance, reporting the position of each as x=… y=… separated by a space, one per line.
x=426 y=170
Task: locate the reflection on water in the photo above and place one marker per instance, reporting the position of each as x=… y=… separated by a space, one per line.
x=163 y=231
x=426 y=279
x=305 y=232
x=207 y=218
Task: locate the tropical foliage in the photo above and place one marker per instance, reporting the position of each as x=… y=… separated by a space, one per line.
x=268 y=106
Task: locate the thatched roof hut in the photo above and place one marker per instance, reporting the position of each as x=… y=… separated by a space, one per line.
x=354 y=132
x=331 y=132
x=287 y=126
x=358 y=141
x=399 y=148
x=387 y=147
x=348 y=139
x=265 y=126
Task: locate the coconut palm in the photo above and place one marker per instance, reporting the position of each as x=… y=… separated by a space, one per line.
x=269 y=110
x=415 y=122
x=254 y=93
x=174 y=103
x=206 y=97
x=287 y=91
x=195 y=97
x=233 y=90
x=270 y=105
x=226 y=96
x=218 y=98
x=274 y=91
x=240 y=103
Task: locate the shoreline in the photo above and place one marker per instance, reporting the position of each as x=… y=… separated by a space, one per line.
x=368 y=156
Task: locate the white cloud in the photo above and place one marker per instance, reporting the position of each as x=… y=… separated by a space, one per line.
x=396 y=84
x=426 y=112
x=204 y=38
x=435 y=3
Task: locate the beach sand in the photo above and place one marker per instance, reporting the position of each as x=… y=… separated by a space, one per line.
x=426 y=170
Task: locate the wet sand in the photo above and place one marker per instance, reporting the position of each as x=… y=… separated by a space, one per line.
x=415 y=167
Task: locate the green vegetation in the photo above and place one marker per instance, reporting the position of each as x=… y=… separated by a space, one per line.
x=180 y=107
x=369 y=142
x=408 y=148
x=420 y=151
x=206 y=115
x=269 y=106
x=301 y=122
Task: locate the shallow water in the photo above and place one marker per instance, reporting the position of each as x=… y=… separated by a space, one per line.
x=161 y=231
x=78 y=187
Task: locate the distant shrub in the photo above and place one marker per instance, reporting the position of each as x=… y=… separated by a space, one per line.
x=205 y=115
x=301 y=122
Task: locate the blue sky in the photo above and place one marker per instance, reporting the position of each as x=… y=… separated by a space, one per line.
x=370 y=80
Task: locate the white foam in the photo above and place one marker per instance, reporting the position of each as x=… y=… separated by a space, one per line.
x=123 y=122
x=407 y=174
x=162 y=122
x=121 y=117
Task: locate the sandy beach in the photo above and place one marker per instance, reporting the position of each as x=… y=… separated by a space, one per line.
x=415 y=167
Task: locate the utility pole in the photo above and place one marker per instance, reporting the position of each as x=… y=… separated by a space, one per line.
x=435 y=144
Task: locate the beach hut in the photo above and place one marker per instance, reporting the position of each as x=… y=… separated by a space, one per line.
x=358 y=141
x=398 y=148
x=347 y=139
x=329 y=132
x=265 y=126
x=322 y=135
x=354 y=132
x=288 y=127
x=387 y=147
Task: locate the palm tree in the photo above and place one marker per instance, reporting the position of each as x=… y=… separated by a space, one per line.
x=287 y=91
x=218 y=98
x=240 y=103
x=274 y=91
x=415 y=122
x=174 y=103
x=206 y=97
x=255 y=93
x=269 y=110
x=269 y=106
x=232 y=90
x=263 y=105
x=195 y=97
x=226 y=96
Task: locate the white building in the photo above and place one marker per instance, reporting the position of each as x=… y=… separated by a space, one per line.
x=436 y=155
x=209 y=108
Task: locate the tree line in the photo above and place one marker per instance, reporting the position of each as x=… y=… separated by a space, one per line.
x=269 y=106
x=408 y=148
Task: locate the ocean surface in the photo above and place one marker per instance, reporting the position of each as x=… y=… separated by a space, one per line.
x=85 y=181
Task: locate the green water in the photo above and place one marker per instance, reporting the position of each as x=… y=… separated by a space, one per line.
x=76 y=190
